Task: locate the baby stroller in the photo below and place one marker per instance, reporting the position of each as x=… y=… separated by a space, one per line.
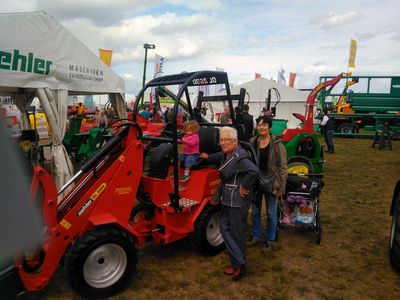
x=299 y=207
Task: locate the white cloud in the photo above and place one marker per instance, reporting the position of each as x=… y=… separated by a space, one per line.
x=128 y=76
x=243 y=37
x=198 y=5
x=17 y=6
x=100 y=12
x=175 y=36
x=335 y=20
x=395 y=36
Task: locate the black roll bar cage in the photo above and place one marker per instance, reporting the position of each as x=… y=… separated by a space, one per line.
x=185 y=80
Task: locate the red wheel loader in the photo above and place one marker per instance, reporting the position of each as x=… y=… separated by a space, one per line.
x=123 y=197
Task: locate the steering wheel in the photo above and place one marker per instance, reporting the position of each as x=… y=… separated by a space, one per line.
x=115 y=129
x=168 y=133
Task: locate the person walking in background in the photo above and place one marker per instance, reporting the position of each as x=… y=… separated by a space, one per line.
x=145 y=112
x=327 y=127
x=225 y=117
x=271 y=158
x=191 y=146
x=248 y=122
x=167 y=115
x=101 y=120
x=110 y=114
x=238 y=175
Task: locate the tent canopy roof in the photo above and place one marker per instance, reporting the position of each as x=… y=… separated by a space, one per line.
x=38 y=52
x=258 y=91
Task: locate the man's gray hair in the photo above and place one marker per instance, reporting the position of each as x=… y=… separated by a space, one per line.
x=232 y=132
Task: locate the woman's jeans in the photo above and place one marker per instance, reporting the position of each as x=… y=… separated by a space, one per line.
x=272 y=217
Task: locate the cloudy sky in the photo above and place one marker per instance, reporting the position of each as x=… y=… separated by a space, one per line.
x=308 y=37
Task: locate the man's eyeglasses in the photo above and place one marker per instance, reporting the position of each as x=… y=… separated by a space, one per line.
x=225 y=140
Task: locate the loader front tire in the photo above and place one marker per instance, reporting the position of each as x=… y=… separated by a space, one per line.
x=206 y=236
x=101 y=263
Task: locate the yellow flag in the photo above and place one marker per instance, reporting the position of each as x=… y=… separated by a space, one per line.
x=105 y=56
x=353 y=52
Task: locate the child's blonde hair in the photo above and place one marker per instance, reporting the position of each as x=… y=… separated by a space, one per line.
x=192 y=126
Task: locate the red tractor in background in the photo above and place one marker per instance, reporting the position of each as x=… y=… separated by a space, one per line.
x=117 y=202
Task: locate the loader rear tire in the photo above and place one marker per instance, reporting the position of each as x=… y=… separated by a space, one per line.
x=101 y=263
x=394 y=246
x=206 y=236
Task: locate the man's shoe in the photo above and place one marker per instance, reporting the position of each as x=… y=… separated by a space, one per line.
x=184 y=178
x=229 y=270
x=239 y=273
x=252 y=241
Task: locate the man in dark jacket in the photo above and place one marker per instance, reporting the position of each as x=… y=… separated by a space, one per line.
x=248 y=122
x=238 y=176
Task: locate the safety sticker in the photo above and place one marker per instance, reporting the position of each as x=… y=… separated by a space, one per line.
x=64 y=223
x=99 y=190
x=123 y=190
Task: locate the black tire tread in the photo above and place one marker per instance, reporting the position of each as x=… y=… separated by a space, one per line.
x=341 y=126
x=394 y=249
x=198 y=237
x=77 y=252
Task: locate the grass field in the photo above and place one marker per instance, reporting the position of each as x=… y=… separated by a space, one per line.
x=351 y=262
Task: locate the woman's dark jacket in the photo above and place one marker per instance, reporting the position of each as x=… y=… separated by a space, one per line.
x=235 y=170
x=276 y=162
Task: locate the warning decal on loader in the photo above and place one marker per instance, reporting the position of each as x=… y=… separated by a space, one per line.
x=99 y=190
x=64 y=223
x=123 y=190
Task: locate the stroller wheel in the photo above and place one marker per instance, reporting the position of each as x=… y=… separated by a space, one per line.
x=318 y=229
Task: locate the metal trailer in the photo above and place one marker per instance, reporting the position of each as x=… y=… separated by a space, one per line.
x=374 y=103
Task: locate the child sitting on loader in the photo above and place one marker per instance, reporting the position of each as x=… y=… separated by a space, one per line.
x=191 y=145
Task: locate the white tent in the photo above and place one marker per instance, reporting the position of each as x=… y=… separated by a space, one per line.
x=40 y=58
x=292 y=100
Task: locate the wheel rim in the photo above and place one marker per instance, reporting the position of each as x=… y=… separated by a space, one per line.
x=105 y=265
x=346 y=129
x=213 y=233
